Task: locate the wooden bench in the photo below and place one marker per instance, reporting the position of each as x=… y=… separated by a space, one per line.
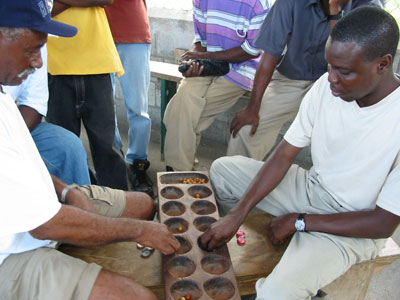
x=250 y=262
x=169 y=77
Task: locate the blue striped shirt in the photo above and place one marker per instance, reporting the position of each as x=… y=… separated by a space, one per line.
x=224 y=24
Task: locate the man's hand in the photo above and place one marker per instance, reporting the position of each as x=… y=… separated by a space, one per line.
x=246 y=116
x=220 y=232
x=194 y=70
x=281 y=228
x=189 y=55
x=156 y=235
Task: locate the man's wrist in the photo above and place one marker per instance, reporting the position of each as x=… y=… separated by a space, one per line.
x=65 y=191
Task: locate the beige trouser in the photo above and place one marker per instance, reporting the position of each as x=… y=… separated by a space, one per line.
x=280 y=104
x=47 y=274
x=312 y=259
x=198 y=101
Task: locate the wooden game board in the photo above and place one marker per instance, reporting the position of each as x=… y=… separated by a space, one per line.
x=188 y=207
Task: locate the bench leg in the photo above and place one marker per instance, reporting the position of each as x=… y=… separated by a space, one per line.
x=168 y=90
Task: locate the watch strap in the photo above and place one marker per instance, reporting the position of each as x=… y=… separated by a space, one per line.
x=337 y=16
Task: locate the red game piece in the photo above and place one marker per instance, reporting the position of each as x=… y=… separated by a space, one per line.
x=240 y=233
x=241 y=241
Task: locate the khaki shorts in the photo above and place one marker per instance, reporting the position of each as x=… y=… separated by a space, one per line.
x=47 y=274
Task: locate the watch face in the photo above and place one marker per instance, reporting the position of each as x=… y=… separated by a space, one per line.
x=300 y=225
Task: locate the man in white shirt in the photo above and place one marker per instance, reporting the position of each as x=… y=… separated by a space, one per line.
x=32 y=217
x=339 y=212
x=61 y=150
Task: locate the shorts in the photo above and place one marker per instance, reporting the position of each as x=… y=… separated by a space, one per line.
x=48 y=274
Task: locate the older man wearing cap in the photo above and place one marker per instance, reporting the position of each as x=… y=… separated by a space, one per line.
x=32 y=218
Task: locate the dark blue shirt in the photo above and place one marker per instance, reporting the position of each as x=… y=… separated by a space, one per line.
x=303 y=28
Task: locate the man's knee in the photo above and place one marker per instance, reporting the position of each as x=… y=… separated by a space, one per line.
x=119 y=287
x=139 y=206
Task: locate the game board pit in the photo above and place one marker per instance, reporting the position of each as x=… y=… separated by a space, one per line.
x=203 y=207
x=171 y=192
x=173 y=208
x=181 y=266
x=203 y=223
x=215 y=264
x=184 y=287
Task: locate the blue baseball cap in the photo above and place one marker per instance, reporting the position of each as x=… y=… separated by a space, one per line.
x=32 y=14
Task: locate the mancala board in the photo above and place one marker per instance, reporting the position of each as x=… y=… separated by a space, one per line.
x=187 y=206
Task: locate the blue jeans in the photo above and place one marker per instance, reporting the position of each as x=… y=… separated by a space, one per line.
x=62 y=152
x=135 y=87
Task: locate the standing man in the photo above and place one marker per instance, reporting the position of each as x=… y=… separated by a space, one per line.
x=130 y=28
x=224 y=30
x=339 y=212
x=80 y=84
x=293 y=38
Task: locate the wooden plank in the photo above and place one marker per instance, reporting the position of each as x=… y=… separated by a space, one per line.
x=250 y=262
x=165 y=71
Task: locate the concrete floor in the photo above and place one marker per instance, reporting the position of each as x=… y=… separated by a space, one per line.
x=384 y=286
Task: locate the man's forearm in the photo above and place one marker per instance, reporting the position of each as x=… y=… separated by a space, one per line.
x=263 y=76
x=31 y=117
x=374 y=224
x=233 y=55
x=78 y=227
x=269 y=176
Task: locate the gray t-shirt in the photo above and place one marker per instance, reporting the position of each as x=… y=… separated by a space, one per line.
x=302 y=27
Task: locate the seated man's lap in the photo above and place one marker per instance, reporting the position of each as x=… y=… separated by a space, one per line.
x=63 y=153
x=107 y=201
x=46 y=274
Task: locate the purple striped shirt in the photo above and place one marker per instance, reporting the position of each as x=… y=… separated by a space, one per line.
x=224 y=24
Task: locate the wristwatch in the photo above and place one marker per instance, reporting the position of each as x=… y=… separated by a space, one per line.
x=300 y=223
x=337 y=16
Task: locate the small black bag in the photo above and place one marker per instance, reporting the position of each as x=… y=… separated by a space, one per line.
x=211 y=67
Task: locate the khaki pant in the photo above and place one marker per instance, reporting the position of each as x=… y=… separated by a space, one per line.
x=280 y=104
x=198 y=101
x=47 y=274
x=312 y=259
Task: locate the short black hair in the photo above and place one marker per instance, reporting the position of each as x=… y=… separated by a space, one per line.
x=374 y=29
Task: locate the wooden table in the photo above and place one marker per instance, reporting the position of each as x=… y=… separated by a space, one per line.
x=250 y=262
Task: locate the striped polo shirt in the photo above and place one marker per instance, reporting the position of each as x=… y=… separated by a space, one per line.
x=225 y=24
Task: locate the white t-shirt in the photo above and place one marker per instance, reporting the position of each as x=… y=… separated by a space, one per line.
x=355 y=151
x=33 y=91
x=27 y=194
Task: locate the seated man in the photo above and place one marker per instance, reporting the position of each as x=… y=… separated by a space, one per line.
x=32 y=218
x=224 y=30
x=338 y=213
x=61 y=150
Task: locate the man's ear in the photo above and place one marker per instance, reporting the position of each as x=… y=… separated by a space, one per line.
x=384 y=63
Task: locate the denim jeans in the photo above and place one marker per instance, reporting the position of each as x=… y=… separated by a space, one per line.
x=88 y=98
x=135 y=87
x=62 y=152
